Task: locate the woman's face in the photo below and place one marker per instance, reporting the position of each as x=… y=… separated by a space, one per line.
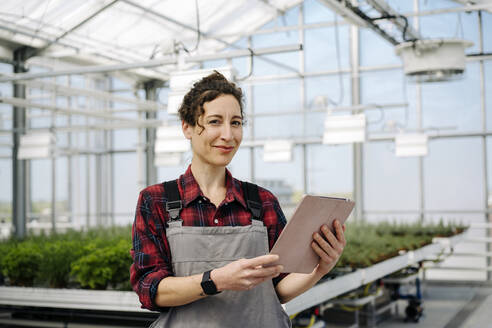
x=217 y=143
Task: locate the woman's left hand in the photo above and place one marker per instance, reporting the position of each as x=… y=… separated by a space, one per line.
x=329 y=247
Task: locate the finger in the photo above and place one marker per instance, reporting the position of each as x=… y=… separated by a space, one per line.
x=339 y=230
x=262 y=260
x=267 y=272
x=321 y=253
x=344 y=228
x=330 y=237
x=324 y=245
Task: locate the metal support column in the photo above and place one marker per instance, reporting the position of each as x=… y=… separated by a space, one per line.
x=302 y=64
x=53 y=97
x=88 y=186
x=19 y=167
x=70 y=159
x=357 y=147
x=418 y=109
x=99 y=179
x=488 y=217
x=150 y=88
x=111 y=175
x=251 y=126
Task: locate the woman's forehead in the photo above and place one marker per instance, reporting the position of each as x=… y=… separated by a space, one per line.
x=224 y=105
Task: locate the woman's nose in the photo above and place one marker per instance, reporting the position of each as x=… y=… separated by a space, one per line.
x=226 y=132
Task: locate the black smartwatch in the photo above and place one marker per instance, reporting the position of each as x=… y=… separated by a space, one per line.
x=208 y=284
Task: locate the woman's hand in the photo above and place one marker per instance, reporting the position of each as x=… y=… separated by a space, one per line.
x=245 y=274
x=329 y=248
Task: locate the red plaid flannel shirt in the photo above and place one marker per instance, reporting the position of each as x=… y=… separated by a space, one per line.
x=150 y=252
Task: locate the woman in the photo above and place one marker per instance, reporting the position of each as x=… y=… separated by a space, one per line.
x=203 y=263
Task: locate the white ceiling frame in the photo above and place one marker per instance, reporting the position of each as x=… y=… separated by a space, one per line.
x=96 y=127
x=23 y=103
x=71 y=91
x=468 y=8
x=150 y=63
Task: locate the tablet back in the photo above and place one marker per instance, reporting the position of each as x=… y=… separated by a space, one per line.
x=294 y=243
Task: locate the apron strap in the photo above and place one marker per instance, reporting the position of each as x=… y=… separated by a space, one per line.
x=174 y=203
x=252 y=197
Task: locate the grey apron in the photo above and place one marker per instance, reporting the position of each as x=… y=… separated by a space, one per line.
x=198 y=249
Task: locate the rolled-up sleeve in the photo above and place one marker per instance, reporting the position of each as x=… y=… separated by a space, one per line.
x=150 y=252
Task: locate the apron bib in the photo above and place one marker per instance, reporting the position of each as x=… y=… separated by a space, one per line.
x=198 y=249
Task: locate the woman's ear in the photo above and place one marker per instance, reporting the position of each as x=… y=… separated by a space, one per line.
x=187 y=130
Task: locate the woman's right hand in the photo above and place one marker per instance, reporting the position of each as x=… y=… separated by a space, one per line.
x=245 y=274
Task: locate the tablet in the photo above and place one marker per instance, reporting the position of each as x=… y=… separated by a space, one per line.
x=294 y=243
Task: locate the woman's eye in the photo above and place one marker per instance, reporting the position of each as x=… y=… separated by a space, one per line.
x=214 y=122
x=237 y=123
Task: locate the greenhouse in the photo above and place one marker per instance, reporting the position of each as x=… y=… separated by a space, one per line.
x=191 y=163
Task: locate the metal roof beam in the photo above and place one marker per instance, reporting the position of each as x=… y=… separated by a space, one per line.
x=20 y=102
x=353 y=14
x=386 y=11
x=72 y=91
x=467 y=8
x=146 y=64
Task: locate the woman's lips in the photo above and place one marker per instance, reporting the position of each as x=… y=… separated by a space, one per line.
x=225 y=149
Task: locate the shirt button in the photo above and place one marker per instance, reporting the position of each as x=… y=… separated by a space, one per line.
x=199 y=201
x=216 y=221
x=226 y=204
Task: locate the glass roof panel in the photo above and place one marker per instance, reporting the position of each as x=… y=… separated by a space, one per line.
x=127 y=30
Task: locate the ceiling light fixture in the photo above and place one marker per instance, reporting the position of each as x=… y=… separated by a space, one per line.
x=343 y=129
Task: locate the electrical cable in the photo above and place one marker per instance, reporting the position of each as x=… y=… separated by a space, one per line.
x=381 y=118
x=251 y=62
x=198 y=38
x=405 y=28
x=197 y=28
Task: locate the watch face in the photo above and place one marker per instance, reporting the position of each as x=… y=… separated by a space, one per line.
x=209 y=287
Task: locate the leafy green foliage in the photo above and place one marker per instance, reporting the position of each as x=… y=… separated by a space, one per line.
x=368 y=244
x=57 y=258
x=104 y=266
x=49 y=261
x=21 y=263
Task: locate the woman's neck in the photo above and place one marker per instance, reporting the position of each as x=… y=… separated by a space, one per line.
x=211 y=179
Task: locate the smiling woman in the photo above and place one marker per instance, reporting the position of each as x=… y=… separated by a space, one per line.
x=200 y=242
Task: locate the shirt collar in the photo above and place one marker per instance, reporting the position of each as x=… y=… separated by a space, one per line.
x=192 y=191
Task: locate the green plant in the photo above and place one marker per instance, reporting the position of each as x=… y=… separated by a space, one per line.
x=368 y=244
x=104 y=266
x=58 y=255
x=21 y=264
x=5 y=247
